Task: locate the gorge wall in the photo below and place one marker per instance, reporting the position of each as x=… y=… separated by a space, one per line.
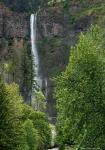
x=14 y=47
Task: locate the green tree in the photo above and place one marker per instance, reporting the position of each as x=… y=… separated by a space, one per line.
x=21 y=127
x=11 y=111
x=38 y=101
x=40 y=123
x=80 y=93
x=32 y=136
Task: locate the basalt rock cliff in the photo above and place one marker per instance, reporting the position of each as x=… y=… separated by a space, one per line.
x=14 y=41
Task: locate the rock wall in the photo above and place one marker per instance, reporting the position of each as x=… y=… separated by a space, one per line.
x=13 y=24
x=14 y=38
x=54 y=40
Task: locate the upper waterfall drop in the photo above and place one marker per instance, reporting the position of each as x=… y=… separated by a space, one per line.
x=33 y=25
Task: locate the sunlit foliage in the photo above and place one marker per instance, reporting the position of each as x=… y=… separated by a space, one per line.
x=21 y=128
x=80 y=93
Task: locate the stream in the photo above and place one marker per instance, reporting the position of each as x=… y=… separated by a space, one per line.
x=53 y=132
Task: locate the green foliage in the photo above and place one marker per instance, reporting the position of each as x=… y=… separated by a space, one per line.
x=27 y=68
x=18 y=67
x=38 y=101
x=40 y=123
x=11 y=107
x=21 y=128
x=32 y=137
x=80 y=93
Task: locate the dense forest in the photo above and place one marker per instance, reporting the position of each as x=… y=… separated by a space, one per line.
x=52 y=75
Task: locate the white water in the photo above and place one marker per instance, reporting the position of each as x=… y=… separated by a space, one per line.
x=53 y=137
x=46 y=88
x=33 y=25
x=53 y=149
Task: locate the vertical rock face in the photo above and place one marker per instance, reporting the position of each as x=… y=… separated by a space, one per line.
x=14 y=38
x=13 y=24
x=53 y=44
x=1 y=23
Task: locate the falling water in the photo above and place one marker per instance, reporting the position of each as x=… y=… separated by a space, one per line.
x=46 y=88
x=33 y=25
x=33 y=21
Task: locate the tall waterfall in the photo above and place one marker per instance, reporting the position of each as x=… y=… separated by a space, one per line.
x=41 y=80
x=33 y=24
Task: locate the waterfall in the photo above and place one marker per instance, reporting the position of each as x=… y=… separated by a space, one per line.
x=39 y=77
x=33 y=24
x=46 y=88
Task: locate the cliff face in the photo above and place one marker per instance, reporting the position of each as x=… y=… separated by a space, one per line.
x=13 y=24
x=54 y=40
x=14 y=47
x=14 y=29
